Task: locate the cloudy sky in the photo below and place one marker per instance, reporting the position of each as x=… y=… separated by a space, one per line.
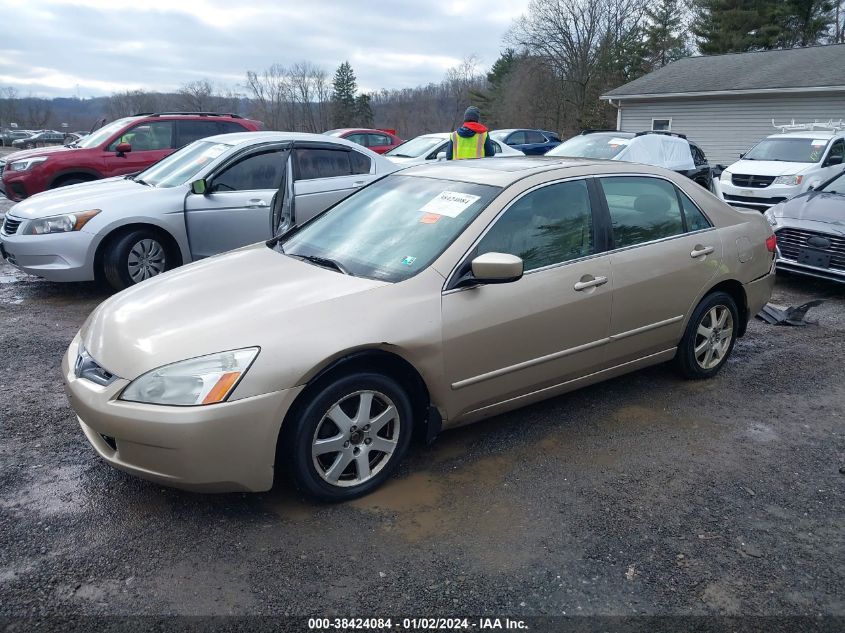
x=95 y=47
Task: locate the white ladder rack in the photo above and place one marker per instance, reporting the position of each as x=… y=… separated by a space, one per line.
x=831 y=125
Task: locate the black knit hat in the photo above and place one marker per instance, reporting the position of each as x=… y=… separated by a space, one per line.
x=472 y=114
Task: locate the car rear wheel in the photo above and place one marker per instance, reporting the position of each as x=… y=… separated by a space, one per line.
x=709 y=338
x=349 y=437
x=135 y=257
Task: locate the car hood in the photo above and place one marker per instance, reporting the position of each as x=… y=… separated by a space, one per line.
x=98 y=194
x=769 y=167
x=815 y=206
x=38 y=151
x=245 y=298
x=403 y=160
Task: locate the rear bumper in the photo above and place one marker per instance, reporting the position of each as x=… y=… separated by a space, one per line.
x=759 y=291
x=226 y=447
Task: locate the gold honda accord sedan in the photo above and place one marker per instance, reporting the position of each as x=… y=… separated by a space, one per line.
x=434 y=297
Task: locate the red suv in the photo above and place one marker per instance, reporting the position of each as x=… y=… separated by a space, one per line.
x=122 y=147
x=378 y=141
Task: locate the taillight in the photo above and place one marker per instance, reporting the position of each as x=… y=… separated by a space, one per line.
x=771 y=243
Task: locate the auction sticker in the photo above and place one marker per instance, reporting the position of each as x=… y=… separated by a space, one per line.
x=818 y=142
x=618 y=141
x=449 y=203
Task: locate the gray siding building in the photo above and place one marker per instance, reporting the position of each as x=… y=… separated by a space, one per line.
x=726 y=103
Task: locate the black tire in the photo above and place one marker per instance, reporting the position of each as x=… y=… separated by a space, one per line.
x=29 y=146
x=116 y=257
x=74 y=180
x=699 y=365
x=297 y=440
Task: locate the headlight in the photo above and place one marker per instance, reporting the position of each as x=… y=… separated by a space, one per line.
x=788 y=180
x=60 y=223
x=204 y=380
x=770 y=216
x=726 y=175
x=26 y=164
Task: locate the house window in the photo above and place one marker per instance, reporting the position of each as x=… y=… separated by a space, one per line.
x=661 y=125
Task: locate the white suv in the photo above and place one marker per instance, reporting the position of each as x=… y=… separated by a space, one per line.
x=782 y=166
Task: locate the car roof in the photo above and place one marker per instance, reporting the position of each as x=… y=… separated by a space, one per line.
x=251 y=138
x=500 y=171
x=347 y=130
x=817 y=134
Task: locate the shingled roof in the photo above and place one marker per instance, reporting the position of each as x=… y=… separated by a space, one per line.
x=815 y=67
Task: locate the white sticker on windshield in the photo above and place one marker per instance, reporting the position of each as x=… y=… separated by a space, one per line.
x=619 y=141
x=215 y=150
x=449 y=203
x=818 y=142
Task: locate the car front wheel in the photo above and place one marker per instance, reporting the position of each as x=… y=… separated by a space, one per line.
x=349 y=437
x=135 y=257
x=709 y=338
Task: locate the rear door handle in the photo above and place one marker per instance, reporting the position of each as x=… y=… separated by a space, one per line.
x=257 y=203
x=585 y=283
x=701 y=251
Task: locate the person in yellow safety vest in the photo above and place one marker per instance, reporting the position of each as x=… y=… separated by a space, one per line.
x=471 y=140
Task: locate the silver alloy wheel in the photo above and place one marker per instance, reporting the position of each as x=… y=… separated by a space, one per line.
x=713 y=337
x=356 y=438
x=146 y=259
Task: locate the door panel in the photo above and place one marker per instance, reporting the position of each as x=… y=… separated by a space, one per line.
x=661 y=268
x=535 y=332
x=221 y=221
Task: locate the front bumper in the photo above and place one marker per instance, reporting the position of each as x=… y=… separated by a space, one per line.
x=55 y=257
x=225 y=447
x=760 y=199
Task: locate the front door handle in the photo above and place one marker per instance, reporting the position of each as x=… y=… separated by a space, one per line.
x=588 y=281
x=701 y=251
x=257 y=203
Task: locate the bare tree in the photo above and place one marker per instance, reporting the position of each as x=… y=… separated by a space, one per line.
x=37 y=112
x=129 y=102
x=8 y=106
x=197 y=96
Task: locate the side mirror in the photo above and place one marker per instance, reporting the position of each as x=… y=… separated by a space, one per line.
x=441 y=155
x=199 y=187
x=496 y=268
x=122 y=148
x=742 y=155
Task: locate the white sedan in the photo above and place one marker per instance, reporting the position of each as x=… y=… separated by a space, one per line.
x=214 y=195
x=431 y=147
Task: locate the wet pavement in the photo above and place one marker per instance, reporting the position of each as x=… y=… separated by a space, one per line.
x=645 y=494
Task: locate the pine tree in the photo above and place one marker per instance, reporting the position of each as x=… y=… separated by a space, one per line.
x=728 y=26
x=363 y=111
x=344 y=88
x=663 y=32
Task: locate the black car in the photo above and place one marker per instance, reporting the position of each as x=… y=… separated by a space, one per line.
x=614 y=145
x=40 y=139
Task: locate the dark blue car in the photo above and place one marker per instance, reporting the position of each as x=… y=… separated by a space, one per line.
x=529 y=142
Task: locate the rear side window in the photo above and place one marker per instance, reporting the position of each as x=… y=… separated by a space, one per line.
x=695 y=218
x=359 y=163
x=228 y=127
x=322 y=163
x=534 y=137
x=190 y=131
x=255 y=172
x=547 y=226
x=517 y=138
x=641 y=209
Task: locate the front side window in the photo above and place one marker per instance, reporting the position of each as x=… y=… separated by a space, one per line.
x=517 y=138
x=641 y=209
x=322 y=163
x=394 y=228
x=378 y=140
x=357 y=138
x=836 y=154
x=256 y=172
x=153 y=135
x=547 y=226
x=181 y=166
x=790 y=150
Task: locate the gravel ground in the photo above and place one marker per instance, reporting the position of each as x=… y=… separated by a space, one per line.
x=643 y=495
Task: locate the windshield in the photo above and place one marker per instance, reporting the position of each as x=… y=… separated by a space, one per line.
x=181 y=166
x=334 y=132
x=591 y=146
x=416 y=147
x=837 y=185
x=103 y=134
x=394 y=228
x=790 y=150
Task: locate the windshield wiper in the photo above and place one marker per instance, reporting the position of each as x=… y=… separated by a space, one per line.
x=142 y=182
x=401 y=156
x=325 y=262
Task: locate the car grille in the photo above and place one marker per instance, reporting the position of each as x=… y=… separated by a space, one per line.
x=10 y=226
x=790 y=241
x=755 y=201
x=751 y=181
